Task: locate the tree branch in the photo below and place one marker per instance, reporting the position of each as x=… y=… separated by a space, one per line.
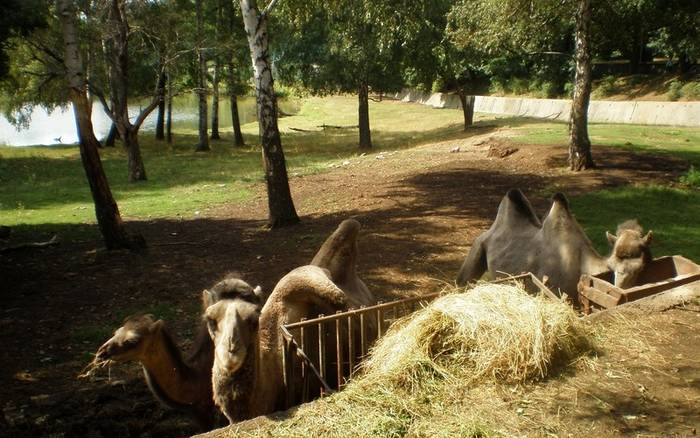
x=268 y=9
x=101 y=97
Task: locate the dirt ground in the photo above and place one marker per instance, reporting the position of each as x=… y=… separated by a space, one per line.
x=420 y=208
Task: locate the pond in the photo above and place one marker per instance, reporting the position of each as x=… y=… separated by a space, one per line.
x=58 y=126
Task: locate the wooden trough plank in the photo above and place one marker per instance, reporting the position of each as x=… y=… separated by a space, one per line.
x=599 y=298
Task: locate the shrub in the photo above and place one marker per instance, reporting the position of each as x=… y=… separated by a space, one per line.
x=691 y=177
x=607 y=86
x=674 y=90
x=691 y=91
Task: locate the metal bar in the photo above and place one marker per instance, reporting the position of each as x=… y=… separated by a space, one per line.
x=304 y=372
x=300 y=352
x=323 y=318
x=285 y=367
x=321 y=351
x=339 y=352
x=351 y=348
x=289 y=371
x=379 y=321
x=363 y=335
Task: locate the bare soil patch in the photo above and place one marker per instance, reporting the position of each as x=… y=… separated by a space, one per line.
x=420 y=209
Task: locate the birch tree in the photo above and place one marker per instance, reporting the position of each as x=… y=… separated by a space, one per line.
x=106 y=209
x=280 y=204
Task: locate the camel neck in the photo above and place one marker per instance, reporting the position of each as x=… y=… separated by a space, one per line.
x=169 y=377
x=593 y=263
x=235 y=392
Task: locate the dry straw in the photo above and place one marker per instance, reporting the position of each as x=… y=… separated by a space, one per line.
x=428 y=362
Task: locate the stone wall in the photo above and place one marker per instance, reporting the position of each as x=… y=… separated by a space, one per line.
x=599 y=111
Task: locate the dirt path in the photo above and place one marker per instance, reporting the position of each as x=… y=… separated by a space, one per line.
x=420 y=208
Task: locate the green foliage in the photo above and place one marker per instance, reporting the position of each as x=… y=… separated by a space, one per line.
x=674 y=90
x=606 y=86
x=691 y=90
x=691 y=177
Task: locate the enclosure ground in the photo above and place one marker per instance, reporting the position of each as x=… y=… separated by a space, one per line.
x=420 y=208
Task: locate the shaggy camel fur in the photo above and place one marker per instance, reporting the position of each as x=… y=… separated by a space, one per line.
x=183 y=384
x=556 y=248
x=247 y=374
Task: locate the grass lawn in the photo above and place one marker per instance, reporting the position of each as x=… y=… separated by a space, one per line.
x=45 y=186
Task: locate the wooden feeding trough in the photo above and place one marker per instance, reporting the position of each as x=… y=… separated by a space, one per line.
x=321 y=354
x=662 y=274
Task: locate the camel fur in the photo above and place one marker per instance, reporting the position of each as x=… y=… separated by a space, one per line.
x=555 y=248
x=328 y=285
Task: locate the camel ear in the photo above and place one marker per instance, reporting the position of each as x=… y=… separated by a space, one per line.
x=611 y=238
x=259 y=294
x=207 y=298
x=648 y=238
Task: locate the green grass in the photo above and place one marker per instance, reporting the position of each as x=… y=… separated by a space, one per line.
x=672 y=214
x=678 y=141
x=46 y=185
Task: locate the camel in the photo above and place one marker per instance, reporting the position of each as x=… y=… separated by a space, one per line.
x=556 y=248
x=183 y=384
x=248 y=377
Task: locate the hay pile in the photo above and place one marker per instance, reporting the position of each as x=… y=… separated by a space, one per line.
x=419 y=377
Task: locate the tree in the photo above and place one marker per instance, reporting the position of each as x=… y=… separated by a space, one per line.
x=280 y=204
x=234 y=62
x=344 y=46
x=534 y=26
x=203 y=143
x=116 y=44
x=106 y=209
x=580 y=157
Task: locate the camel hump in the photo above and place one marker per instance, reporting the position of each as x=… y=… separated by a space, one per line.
x=560 y=199
x=307 y=284
x=516 y=206
x=338 y=254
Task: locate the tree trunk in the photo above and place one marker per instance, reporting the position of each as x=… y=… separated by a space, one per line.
x=106 y=209
x=579 y=144
x=363 y=113
x=117 y=51
x=467 y=108
x=169 y=120
x=235 y=118
x=281 y=206
x=203 y=144
x=112 y=135
x=236 y=122
x=160 y=124
x=215 y=103
x=137 y=171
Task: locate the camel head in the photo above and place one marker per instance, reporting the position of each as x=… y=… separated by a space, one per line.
x=131 y=341
x=630 y=253
x=232 y=321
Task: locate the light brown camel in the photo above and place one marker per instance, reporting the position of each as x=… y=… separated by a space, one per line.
x=556 y=248
x=247 y=372
x=183 y=384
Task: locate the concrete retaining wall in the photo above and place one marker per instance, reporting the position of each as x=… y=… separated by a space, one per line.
x=599 y=111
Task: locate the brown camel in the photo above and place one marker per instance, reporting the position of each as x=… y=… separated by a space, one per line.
x=183 y=384
x=556 y=248
x=247 y=372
